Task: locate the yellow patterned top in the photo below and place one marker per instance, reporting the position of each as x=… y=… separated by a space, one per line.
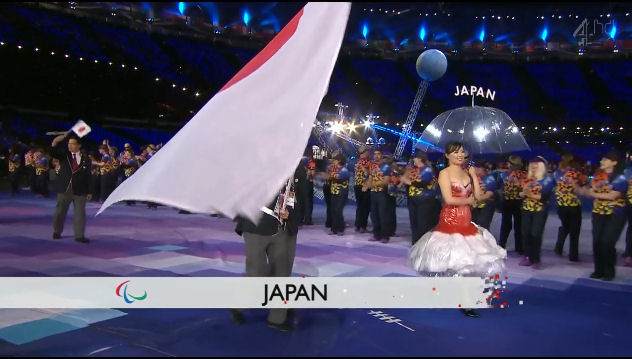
x=601 y=183
x=543 y=187
x=378 y=173
x=511 y=181
x=567 y=178
x=13 y=166
x=360 y=178
x=339 y=178
x=414 y=177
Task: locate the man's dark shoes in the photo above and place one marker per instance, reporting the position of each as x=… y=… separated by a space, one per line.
x=284 y=327
x=470 y=313
x=82 y=240
x=56 y=235
x=237 y=316
x=596 y=275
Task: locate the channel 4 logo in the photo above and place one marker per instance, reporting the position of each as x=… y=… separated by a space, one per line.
x=587 y=31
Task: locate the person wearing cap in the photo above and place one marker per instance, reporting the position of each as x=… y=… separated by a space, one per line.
x=512 y=202
x=423 y=205
x=536 y=191
x=339 y=178
x=569 y=210
x=607 y=187
x=363 y=199
x=483 y=209
x=377 y=183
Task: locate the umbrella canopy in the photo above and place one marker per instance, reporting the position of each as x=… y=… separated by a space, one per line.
x=481 y=129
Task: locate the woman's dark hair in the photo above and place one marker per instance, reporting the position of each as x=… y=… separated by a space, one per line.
x=453 y=147
x=449 y=148
x=616 y=156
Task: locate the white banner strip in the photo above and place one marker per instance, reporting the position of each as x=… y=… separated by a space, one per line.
x=243 y=292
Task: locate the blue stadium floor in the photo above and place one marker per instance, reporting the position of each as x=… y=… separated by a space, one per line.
x=553 y=311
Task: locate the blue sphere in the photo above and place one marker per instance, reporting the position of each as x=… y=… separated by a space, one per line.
x=431 y=65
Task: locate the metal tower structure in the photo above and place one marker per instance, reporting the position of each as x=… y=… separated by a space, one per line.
x=410 y=120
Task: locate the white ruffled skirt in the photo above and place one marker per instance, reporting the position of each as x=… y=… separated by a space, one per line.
x=442 y=255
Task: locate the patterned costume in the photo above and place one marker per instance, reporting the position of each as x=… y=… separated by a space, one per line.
x=423 y=206
x=568 y=209
x=511 y=207
x=363 y=199
x=339 y=176
x=483 y=211
x=534 y=215
x=379 y=208
x=608 y=219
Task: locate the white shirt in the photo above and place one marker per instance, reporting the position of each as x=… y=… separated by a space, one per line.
x=77 y=156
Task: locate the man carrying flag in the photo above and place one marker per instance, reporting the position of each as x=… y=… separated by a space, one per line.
x=271 y=104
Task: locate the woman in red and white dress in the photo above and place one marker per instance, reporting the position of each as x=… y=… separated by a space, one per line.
x=456 y=246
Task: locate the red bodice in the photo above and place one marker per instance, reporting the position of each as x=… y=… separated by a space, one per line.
x=457 y=219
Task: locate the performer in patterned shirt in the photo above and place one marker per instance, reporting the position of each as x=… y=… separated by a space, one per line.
x=423 y=190
x=392 y=190
x=608 y=188
x=327 y=190
x=569 y=207
x=512 y=203
x=536 y=191
x=483 y=210
x=41 y=173
x=378 y=181
x=363 y=199
x=14 y=170
x=339 y=178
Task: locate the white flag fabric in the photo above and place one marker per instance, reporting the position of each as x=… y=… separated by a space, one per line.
x=234 y=155
x=81 y=128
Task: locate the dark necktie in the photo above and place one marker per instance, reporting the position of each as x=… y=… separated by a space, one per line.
x=75 y=165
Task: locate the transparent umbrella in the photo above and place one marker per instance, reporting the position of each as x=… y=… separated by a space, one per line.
x=482 y=130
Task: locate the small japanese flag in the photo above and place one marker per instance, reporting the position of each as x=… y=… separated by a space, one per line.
x=81 y=128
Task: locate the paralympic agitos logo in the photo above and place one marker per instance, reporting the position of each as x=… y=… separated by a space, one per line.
x=125 y=295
